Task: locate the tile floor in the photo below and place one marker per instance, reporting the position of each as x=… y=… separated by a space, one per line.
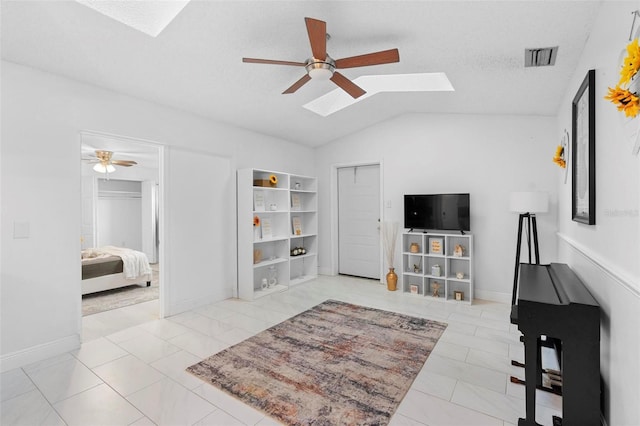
x=130 y=368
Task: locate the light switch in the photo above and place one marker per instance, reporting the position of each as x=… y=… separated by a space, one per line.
x=20 y=230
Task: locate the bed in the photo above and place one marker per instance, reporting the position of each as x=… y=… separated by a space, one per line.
x=110 y=267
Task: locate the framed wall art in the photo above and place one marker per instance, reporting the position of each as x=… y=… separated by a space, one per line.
x=583 y=152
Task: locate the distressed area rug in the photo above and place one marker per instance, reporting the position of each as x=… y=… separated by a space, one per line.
x=336 y=363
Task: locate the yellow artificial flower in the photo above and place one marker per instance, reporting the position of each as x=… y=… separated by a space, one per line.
x=624 y=100
x=631 y=63
x=558 y=157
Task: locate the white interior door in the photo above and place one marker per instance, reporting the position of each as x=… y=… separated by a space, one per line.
x=359 y=221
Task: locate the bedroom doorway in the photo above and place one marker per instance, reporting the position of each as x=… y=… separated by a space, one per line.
x=121 y=206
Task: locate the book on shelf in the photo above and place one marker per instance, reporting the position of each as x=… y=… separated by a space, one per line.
x=436 y=246
x=258 y=201
x=296 y=225
x=266 y=228
x=295 y=202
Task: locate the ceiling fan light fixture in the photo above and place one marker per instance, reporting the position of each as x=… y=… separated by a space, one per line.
x=320 y=73
x=320 y=70
x=102 y=168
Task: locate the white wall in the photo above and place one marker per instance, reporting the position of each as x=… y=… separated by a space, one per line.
x=606 y=256
x=120 y=222
x=42 y=117
x=487 y=156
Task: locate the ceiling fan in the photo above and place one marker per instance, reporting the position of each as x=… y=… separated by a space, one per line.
x=106 y=164
x=322 y=66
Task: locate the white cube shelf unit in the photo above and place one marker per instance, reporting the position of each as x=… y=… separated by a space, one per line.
x=282 y=248
x=431 y=262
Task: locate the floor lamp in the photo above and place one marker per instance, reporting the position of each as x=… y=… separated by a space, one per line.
x=527 y=204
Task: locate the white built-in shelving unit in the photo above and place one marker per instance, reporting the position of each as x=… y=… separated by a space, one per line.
x=430 y=260
x=288 y=220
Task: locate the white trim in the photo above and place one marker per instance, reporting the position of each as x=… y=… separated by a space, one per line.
x=621 y=278
x=325 y=270
x=39 y=352
x=187 y=305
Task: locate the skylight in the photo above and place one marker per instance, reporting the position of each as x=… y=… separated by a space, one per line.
x=337 y=99
x=147 y=16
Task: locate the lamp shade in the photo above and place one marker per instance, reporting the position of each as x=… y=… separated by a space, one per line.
x=529 y=202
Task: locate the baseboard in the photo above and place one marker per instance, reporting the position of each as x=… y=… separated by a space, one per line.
x=323 y=270
x=187 y=305
x=493 y=296
x=39 y=352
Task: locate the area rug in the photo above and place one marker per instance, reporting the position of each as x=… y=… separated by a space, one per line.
x=336 y=363
x=120 y=297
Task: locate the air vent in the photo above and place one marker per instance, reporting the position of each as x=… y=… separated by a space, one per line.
x=540 y=57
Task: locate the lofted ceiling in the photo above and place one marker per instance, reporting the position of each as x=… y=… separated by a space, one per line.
x=195 y=64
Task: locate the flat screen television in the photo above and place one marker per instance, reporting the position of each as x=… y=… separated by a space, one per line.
x=444 y=212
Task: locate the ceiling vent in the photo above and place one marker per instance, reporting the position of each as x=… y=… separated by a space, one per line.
x=540 y=57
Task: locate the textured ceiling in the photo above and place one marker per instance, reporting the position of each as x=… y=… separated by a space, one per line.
x=195 y=64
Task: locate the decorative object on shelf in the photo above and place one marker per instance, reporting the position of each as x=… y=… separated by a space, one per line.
x=436 y=289
x=257 y=256
x=390 y=235
x=273 y=180
x=297 y=186
x=413 y=289
x=435 y=270
x=273 y=207
x=458 y=295
x=436 y=246
x=265 y=284
x=258 y=201
x=257 y=234
x=527 y=204
x=298 y=251
x=295 y=202
x=273 y=276
x=266 y=183
x=266 y=228
x=414 y=248
x=583 y=166
x=296 y=225
x=416 y=268
x=459 y=275
x=458 y=250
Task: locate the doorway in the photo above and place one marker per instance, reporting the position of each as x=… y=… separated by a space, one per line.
x=121 y=206
x=359 y=221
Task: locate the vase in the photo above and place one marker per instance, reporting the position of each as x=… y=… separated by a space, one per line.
x=392 y=279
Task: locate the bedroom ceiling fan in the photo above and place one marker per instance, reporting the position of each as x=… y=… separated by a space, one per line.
x=322 y=66
x=105 y=162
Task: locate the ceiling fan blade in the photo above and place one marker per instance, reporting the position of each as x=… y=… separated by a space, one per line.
x=376 y=58
x=347 y=85
x=272 y=62
x=298 y=84
x=125 y=163
x=317 y=31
